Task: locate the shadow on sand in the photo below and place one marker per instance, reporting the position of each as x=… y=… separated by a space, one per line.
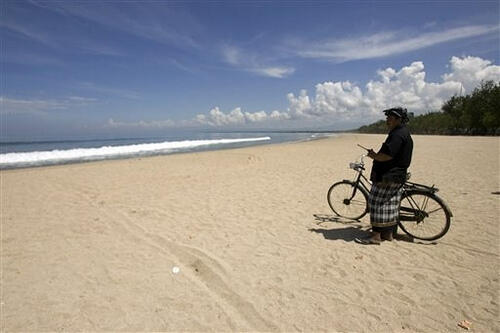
x=348 y=234
x=356 y=229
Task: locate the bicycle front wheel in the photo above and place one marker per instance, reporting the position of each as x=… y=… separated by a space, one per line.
x=348 y=200
x=424 y=215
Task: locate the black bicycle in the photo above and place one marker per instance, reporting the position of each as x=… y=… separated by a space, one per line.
x=422 y=214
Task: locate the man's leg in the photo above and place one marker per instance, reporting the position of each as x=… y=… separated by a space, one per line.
x=383 y=233
x=388 y=234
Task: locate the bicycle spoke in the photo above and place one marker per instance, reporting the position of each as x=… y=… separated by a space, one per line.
x=424 y=205
x=426 y=218
x=346 y=202
x=435 y=210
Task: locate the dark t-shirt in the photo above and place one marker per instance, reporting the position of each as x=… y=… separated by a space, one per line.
x=398 y=145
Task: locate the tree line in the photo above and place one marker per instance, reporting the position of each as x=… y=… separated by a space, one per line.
x=477 y=113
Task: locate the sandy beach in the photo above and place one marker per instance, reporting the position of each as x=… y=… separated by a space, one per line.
x=96 y=246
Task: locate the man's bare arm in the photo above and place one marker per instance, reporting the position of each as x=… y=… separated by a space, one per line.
x=381 y=157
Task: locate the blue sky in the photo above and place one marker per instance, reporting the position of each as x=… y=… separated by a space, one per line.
x=77 y=68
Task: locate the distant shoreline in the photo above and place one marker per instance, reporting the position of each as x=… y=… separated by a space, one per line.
x=33 y=154
x=285 y=131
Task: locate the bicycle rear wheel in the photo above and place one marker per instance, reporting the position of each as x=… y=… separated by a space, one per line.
x=347 y=200
x=423 y=215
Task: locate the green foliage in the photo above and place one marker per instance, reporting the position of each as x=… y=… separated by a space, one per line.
x=475 y=114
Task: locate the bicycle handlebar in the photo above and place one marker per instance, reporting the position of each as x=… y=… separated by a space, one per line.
x=358 y=165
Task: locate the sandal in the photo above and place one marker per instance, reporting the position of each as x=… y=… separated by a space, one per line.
x=367 y=241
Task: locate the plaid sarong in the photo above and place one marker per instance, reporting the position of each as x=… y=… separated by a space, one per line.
x=384 y=202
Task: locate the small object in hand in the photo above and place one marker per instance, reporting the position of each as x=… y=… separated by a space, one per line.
x=363 y=147
x=465 y=324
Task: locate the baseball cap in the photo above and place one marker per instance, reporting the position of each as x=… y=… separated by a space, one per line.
x=398 y=112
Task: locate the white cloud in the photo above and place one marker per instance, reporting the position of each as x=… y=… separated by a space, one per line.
x=11 y=106
x=231 y=55
x=235 y=117
x=250 y=62
x=299 y=104
x=384 y=43
x=141 y=124
x=471 y=71
x=332 y=101
x=406 y=87
x=27 y=31
x=277 y=72
x=67 y=42
x=18 y=106
x=277 y=115
x=82 y=99
x=348 y=102
x=159 y=22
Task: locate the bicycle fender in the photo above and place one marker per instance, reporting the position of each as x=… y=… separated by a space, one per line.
x=445 y=205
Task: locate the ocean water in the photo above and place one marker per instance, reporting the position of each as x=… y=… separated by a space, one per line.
x=33 y=153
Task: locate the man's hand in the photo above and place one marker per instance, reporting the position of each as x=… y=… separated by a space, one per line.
x=380 y=157
x=371 y=153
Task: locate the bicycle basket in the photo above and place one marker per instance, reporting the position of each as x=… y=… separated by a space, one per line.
x=356 y=166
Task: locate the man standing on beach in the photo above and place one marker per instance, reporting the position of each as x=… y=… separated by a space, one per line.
x=390 y=165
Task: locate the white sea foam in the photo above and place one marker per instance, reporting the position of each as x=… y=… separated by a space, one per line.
x=37 y=158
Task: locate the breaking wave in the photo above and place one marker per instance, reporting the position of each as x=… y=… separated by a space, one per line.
x=39 y=158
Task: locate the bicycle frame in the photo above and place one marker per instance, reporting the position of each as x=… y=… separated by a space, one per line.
x=360 y=181
x=419 y=204
x=419 y=212
x=360 y=178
